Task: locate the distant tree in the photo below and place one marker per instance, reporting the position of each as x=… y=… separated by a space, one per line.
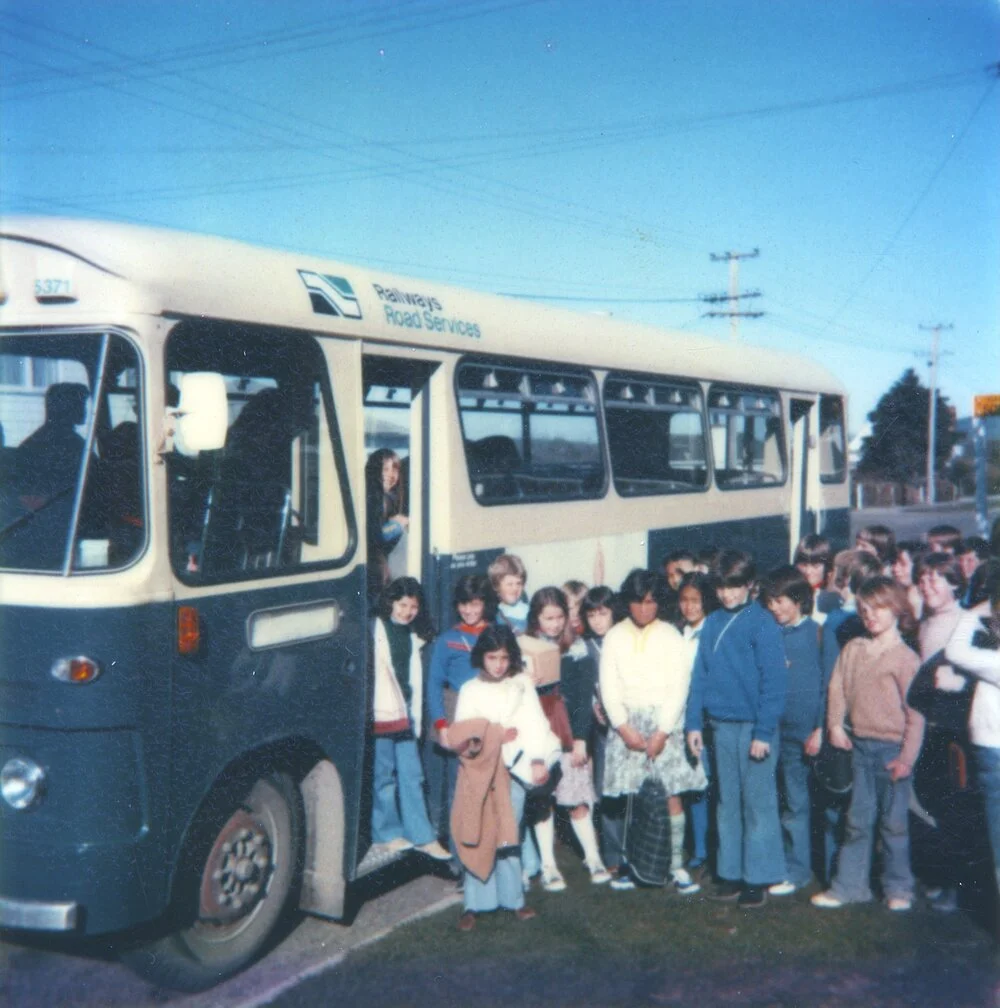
x=896 y=449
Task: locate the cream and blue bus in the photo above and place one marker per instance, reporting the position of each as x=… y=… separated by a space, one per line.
x=184 y=424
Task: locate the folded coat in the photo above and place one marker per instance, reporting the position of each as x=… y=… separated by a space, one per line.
x=482 y=816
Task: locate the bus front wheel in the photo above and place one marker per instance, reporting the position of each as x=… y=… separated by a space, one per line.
x=240 y=866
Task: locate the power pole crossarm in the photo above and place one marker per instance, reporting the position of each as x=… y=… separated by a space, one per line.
x=733 y=258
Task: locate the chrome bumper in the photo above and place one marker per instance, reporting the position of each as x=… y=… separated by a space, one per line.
x=33 y=915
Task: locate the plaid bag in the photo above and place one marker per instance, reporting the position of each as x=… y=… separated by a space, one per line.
x=647 y=833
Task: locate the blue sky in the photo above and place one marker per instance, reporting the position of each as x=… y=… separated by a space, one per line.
x=597 y=150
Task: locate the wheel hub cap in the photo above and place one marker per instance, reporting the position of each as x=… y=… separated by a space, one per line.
x=236 y=873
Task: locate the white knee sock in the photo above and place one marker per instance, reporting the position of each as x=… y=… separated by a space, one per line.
x=677 y=841
x=585 y=833
x=545 y=835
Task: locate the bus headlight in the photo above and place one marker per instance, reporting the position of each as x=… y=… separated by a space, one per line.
x=22 y=782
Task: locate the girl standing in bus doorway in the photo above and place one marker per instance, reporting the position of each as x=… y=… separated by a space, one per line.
x=399 y=813
x=500 y=694
x=568 y=705
x=450 y=669
x=386 y=513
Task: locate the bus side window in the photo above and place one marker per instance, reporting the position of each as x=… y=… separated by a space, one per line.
x=254 y=506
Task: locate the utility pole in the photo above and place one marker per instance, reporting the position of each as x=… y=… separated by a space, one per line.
x=936 y=331
x=733 y=258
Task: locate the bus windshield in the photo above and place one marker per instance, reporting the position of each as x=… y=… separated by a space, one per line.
x=71 y=483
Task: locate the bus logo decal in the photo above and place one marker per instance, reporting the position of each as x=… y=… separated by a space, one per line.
x=331 y=295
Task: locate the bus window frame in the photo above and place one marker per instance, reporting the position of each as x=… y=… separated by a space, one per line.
x=740 y=389
x=840 y=478
x=146 y=458
x=352 y=539
x=529 y=364
x=683 y=384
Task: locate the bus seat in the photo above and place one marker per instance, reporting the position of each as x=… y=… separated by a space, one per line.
x=248 y=518
x=494 y=461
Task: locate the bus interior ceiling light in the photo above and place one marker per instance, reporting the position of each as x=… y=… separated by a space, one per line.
x=78 y=670
x=490 y=381
x=22 y=782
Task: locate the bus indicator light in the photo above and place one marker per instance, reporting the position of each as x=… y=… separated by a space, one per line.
x=188 y=630
x=77 y=670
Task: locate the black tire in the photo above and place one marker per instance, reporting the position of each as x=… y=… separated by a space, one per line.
x=240 y=867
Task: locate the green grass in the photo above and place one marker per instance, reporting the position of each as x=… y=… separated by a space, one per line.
x=593 y=946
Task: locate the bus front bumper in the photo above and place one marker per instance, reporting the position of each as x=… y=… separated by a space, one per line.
x=33 y=915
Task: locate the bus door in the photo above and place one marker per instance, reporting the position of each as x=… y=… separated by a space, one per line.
x=803 y=519
x=269 y=671
x=397 y=453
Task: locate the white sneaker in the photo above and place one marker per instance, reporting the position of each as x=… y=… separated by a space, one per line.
x=397 y=846
x=826 y=901
x=599 y=875
x=435 y=850
x=552 y=881
x=899 y=904
x=683 y=883
x=622 y=883
x=785 y=888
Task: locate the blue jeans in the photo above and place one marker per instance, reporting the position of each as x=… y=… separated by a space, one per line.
x=796 y=811
x=875 y=800
x=502 y=889
x=398 y=774
x=609 y=816
x=750 y=848
x=988 y=765
x=699 y=807
x=441 y=768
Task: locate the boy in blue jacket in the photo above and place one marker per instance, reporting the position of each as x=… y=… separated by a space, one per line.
x=789 y=597
x=739 y=683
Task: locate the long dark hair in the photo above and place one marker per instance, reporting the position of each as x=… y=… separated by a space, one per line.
x=705 y=585
x=550 y=595
x=476 y=586
x=379 y=502
x=406 y=587
x=497 y=637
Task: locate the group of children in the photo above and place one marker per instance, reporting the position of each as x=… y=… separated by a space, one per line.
x=720 y=687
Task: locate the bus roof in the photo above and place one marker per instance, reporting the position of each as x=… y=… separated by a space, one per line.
x=185 y=274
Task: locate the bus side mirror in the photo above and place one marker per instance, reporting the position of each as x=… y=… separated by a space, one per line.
x=201 y=418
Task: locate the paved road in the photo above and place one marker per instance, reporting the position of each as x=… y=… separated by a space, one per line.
x=36 y=976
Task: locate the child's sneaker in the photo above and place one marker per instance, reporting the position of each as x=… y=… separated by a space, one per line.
x=683 y=883
x=899 y=904
x=785 y=888
x=599 y=875
x=725 y=891
x=752 y=897
x=398 y=845
x=622 y=884
x=826 y=901
x=552 y=881
x=435 y=850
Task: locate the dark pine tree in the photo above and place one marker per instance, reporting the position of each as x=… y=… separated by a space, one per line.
x=896 y=449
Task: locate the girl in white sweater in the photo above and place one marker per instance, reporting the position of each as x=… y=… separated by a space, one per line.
x=645 y=677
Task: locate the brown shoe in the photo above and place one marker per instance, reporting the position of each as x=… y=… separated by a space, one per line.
x=467 y=921
x=525 y=913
